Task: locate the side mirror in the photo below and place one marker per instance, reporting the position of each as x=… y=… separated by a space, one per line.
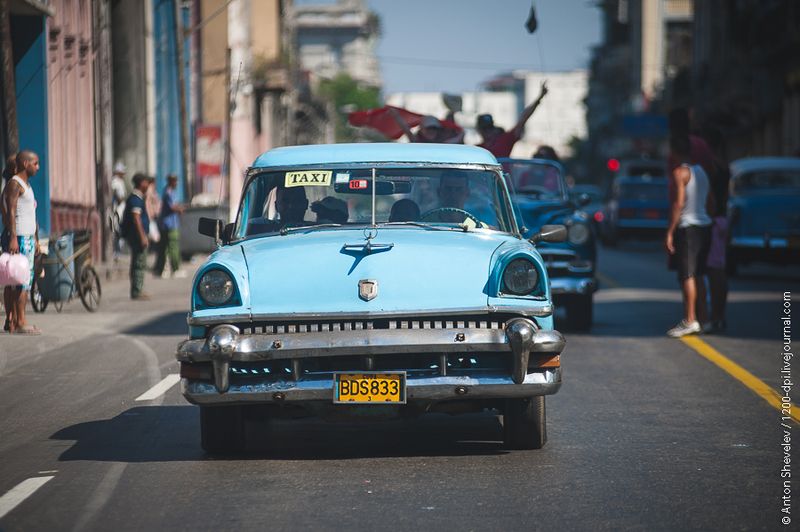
x=227 y=233
x=550 y=233
x=210 y=227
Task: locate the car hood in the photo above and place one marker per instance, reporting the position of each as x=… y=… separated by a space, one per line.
x=313 y=272
x=535 y=214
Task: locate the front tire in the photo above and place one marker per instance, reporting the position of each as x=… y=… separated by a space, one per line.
x=525 y=423
x=580 y=312
x=222 y=429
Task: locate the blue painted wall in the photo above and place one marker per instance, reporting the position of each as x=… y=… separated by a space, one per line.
x=28 y=40
x=167 y=106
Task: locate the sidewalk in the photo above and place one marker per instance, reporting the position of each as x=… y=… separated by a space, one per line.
x=117 y=313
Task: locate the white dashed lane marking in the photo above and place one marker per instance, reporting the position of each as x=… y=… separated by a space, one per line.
x=20 y=492
x=161 y=388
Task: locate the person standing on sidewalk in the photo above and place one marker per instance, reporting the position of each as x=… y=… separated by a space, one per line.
x=689 y=234
x=169 y=223
x=21 y=235
x=135 y=226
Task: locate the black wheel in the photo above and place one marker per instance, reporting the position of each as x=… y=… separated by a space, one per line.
x=38 y=302
x=222 y=429
x=580 y=313
x=525 y=423
x=89 y=288
x=186 y=257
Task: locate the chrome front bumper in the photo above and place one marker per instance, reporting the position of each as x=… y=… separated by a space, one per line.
x=573 y=285
x=545 y=382
x=225 y=344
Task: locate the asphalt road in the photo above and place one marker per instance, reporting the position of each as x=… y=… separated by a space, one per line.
x=645 y=434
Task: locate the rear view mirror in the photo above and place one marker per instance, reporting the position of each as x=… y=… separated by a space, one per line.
x=210 y=227
x=364 y=186
x=550 y=233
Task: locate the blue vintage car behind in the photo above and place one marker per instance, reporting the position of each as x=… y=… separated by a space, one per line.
x=371 y=280
x=764 y=211
x=541 y=198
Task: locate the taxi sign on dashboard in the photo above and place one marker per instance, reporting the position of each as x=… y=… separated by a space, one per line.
x=308 y=178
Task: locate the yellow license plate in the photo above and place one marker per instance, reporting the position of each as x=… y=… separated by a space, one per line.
x=381 y=388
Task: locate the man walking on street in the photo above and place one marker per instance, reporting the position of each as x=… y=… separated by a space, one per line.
x=20 y=235
x=134 y=227
x=689 y=235
x=169 y=226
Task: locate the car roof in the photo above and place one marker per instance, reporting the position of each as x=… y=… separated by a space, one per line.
x=379 y=152
x=639 y=180
x=750 y=164
x=503 y=160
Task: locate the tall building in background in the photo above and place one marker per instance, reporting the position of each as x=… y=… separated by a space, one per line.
x=338 y=37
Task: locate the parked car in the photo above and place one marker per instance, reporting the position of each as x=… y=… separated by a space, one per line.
x=406 y=288
x=540 y=194
x=764 y=211
x=638 y=206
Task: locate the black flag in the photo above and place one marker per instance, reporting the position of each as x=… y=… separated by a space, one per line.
x=532 y=23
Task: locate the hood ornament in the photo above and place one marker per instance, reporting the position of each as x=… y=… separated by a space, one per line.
x=368 y=289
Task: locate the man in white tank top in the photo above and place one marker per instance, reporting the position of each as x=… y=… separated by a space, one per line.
x=688 y=237
x=20 y=236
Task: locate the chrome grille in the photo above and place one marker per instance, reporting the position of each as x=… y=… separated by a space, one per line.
x=494 y=321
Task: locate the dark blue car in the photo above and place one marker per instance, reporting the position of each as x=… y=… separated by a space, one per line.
x=638 y=206
x=541 y=198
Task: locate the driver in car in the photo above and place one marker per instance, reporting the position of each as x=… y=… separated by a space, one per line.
x=453 y=193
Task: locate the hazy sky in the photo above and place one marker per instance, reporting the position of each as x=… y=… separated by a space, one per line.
x=454 y=45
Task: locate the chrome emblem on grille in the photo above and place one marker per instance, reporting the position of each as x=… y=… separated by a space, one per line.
x=367 y=289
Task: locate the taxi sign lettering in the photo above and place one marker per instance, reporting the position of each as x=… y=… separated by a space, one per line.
x=310 y=178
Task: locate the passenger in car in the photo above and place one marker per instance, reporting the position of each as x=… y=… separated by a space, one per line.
x=330 y=210
x=404 y=210
x=291 y=204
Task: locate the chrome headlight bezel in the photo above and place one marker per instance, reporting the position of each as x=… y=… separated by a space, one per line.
x=520 y=277
x=578 y=233
x=216 y=287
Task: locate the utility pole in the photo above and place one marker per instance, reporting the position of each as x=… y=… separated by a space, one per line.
x=11 y=137
x=184 y=126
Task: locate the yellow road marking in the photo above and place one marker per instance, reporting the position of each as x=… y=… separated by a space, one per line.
x=739 y=373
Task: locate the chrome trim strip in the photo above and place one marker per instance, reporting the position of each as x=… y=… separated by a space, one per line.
x=260 y=347
x=634 y=223
x=759 y=242
x=539 y=311
x=487 y=386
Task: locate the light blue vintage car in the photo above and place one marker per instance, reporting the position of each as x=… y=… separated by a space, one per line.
x=371 y=280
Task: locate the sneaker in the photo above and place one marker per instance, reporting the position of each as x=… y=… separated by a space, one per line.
x=179 y=274
x=683 y=328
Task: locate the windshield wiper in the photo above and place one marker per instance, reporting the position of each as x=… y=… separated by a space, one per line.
x=426 y=226
x=287 y=230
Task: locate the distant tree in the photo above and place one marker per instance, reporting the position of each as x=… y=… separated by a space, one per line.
x=347 y=95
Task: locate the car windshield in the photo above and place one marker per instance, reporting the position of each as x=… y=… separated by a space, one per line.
x=766 y=181
x=544 y=181
x=445 y=198
x=643 y=191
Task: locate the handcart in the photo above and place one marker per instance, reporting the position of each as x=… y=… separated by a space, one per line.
x=63 y=273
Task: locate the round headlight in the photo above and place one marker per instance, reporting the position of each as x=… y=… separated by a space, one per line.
x=215 y=287
x=578 y=234
x=520 y=277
